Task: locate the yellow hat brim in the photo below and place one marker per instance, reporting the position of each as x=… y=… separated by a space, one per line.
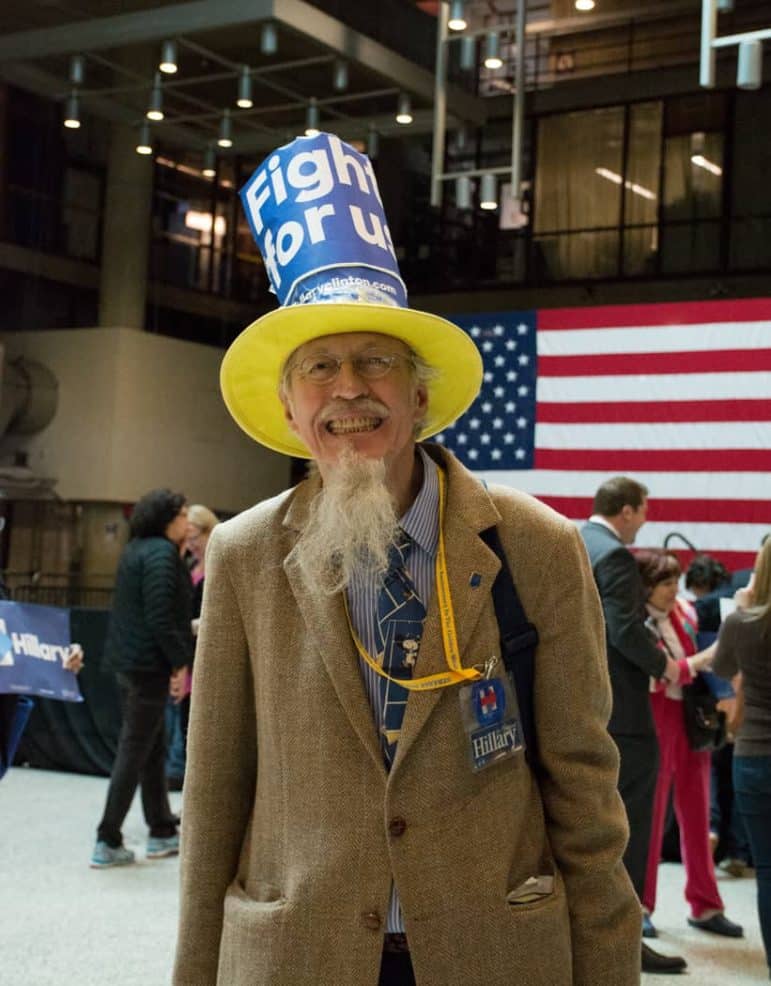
x=252 y=366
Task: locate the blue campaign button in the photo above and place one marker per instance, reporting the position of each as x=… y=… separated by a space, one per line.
x=488 y=699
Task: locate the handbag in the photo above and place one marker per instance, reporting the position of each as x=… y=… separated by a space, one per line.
x=705 y=723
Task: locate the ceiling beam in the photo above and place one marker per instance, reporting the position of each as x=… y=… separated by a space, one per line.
x=189 y=19
x=155 y=24
x=305 y=19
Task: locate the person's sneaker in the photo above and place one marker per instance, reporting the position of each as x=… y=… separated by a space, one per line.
x=160 y=846
x=648 y=927
x=734 y=867
x=104 y=856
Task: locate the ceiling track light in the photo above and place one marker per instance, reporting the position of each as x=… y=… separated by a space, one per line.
x=209 y=163
x=155 y=106
x=77 y=70
x=168 y=63
x=72 y=112
x=245 y=101
x=749 y=69
x=493 y=58
x=463 y=192
x=340 y=75
x=457 y=20
x=584 y=5
x=468 y=52
x=268 y=39
x=312 y=118
x=225 y=138
x=373 y=142
x=144 y=144
x=488 y=192
x=404 y=109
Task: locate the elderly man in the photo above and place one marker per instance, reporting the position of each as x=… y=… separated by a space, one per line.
x=342 y=823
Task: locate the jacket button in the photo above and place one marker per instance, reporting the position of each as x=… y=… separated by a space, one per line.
x=397 y=826
x=371 y=920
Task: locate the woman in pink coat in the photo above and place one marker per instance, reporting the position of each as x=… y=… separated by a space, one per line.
x=673 y=622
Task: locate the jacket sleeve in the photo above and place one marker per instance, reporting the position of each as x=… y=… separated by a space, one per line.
x=585 y=818
x=725 y=663
x=619 y=584
x=169 y=628
x=221 y=775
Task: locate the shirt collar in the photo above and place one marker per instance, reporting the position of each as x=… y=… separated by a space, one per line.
x=421 y=521
x=599 y=519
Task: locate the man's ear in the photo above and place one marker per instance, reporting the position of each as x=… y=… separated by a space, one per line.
x=288 y=415
x=421 y=399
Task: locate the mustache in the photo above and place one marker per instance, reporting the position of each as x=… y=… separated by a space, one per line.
x=360 y=405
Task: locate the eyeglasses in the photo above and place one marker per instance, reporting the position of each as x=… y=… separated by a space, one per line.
x=324 y=368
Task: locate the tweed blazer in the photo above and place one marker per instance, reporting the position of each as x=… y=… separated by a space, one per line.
x=292 y=829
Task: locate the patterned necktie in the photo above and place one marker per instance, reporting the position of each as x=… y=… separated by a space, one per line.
x=400 y=616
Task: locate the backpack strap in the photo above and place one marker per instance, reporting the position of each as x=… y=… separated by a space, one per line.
x=519 y=639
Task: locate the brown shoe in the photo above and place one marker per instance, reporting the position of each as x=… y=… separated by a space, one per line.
x=665 y=964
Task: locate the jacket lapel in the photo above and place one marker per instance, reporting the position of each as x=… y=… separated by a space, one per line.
x=469 y=510
x=327 y=628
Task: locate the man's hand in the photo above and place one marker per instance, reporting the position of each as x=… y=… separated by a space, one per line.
x=74 y=660
x=177 y=684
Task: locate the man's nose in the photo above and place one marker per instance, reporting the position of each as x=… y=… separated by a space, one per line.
x=348 y=383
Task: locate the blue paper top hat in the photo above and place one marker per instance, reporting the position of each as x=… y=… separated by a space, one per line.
x=315 y=211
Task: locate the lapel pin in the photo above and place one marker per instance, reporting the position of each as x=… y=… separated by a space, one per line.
x=475 y=580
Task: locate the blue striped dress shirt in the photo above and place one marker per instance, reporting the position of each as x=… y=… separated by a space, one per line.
x=421 y=522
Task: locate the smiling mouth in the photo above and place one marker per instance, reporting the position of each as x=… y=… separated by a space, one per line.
x=352 y=426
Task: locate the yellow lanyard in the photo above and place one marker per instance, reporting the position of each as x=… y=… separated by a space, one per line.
x=456 y=673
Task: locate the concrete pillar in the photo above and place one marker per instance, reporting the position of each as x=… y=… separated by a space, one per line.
x=125 y=233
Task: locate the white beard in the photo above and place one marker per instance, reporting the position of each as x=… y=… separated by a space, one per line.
x=352 y=523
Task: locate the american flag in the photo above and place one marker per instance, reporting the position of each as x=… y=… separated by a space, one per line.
x=678 y=396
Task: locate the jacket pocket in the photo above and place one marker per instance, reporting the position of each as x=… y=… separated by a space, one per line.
x=260 y=894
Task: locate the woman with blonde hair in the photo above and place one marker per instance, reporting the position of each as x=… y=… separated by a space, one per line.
x=744 y=649
x=200 y=523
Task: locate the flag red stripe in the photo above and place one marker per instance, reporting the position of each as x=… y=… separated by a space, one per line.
x=654 y=460
x=692 y=511
x=612 y=412
x=646 y=316
x=633 y=364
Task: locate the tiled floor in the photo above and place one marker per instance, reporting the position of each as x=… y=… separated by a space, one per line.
x=64 y=924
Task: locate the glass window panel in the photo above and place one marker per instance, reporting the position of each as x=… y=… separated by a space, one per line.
x=576 y=255
x=752 y=154
x=693 y=176
x=690 y=247
x=641 y=245
x=641 y=189
x=578 y=175
x=751 y=243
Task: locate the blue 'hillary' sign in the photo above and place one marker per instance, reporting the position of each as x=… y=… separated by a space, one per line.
x=34 y=644
x=315 y=211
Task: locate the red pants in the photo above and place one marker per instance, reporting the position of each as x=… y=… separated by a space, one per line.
x=690 y=772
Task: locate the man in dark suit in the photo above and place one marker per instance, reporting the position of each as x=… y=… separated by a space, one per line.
x=619 y=511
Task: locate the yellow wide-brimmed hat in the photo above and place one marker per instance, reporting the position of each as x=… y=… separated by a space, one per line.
x=251 y=369
x=315 y=212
